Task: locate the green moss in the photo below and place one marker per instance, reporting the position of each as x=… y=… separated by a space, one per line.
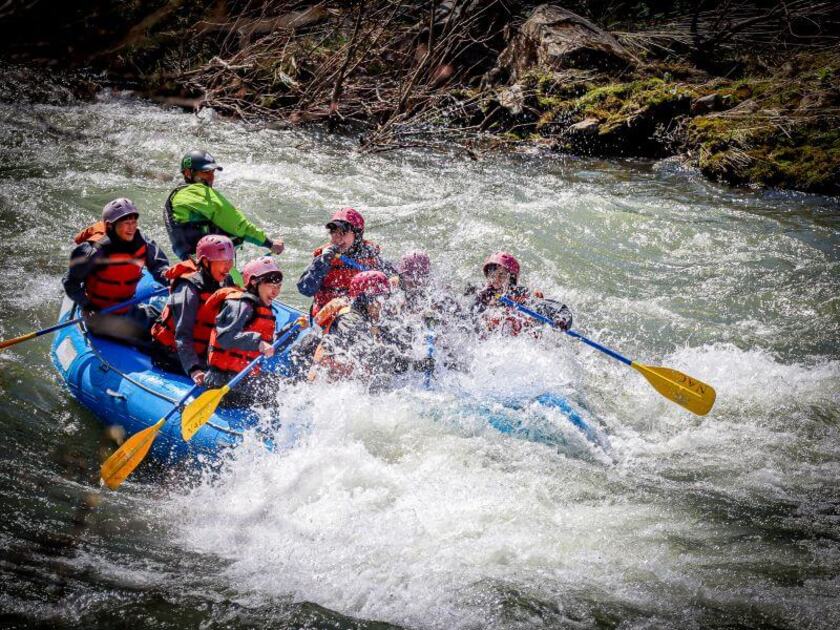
x=615 y=104
x=804 y=155
x=809 y=160
x=545 y=119
x=825 y=74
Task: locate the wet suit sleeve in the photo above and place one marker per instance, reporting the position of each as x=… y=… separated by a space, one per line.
x=156 y=261
x=313 y=276
x=483 y=300
x=184 y=304
x=233 y=317
x=223 y=214
x=81 y=264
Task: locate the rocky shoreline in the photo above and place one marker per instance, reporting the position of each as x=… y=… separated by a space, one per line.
x=732 y=97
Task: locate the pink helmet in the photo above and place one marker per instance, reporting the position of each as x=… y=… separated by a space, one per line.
x=415 y=263
x=503 y=259
x=369 y=283
x=214 y=247
x=260 y=267
x=118 y=209
x=351 y=216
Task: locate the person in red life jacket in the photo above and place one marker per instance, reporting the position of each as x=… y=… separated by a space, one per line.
x=329 y=277
x=358 y=341
x=105 y=268
x=502 y=273
x=196 y=209
x=245 y=328
x=182 y=332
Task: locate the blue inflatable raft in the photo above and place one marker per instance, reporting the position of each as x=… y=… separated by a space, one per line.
x=120 y=386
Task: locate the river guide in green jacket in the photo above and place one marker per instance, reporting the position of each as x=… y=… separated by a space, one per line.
x=196 y=209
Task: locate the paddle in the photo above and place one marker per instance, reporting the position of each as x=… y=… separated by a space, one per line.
x=70 y=322
x=199 y=411
x=430 y=351
x=696 y=396
x=127 y=457
x=353 y=264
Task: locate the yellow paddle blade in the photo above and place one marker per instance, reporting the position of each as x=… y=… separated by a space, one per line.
x=11 y=342
x=198 y=412
x=128 y=456
x=696 y=396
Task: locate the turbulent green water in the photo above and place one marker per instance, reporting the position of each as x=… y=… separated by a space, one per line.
x=405 y=507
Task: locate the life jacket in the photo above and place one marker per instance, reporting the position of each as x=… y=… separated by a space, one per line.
x=337 y=281
x=330 y=312
x=115 y=275
x=262 y=322
x=185 y=236
x=163 y=330
x=507 y=320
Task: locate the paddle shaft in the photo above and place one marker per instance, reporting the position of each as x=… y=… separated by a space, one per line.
x=247 y=369
x=539 y=317
x=353 y=264
x=430 y=354
x=116 y=307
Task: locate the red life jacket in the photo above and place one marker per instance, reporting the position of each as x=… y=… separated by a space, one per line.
x=234 y=359
x=163 y=330
x=337 y=281
x=115 y=275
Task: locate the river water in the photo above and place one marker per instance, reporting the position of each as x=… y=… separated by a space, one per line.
x=405 y=508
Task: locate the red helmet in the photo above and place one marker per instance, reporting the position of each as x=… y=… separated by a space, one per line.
x=369 y=283
x=260 y=267
x=214 y=247
x=351 y=216
x=119 y=209
x=505 y=260
x=415 y=263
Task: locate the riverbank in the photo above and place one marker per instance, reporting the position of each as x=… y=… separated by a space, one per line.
x=749 y=97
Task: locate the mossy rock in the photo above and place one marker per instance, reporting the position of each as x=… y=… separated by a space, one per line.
x=754 y=150
x=631 y=114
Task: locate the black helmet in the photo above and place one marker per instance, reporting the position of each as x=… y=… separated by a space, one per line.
x=197 y=160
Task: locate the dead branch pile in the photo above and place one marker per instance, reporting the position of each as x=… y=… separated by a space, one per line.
x=386 y=65
x=713 y=31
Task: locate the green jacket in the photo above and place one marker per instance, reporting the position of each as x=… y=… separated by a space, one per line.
x=199 y=202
